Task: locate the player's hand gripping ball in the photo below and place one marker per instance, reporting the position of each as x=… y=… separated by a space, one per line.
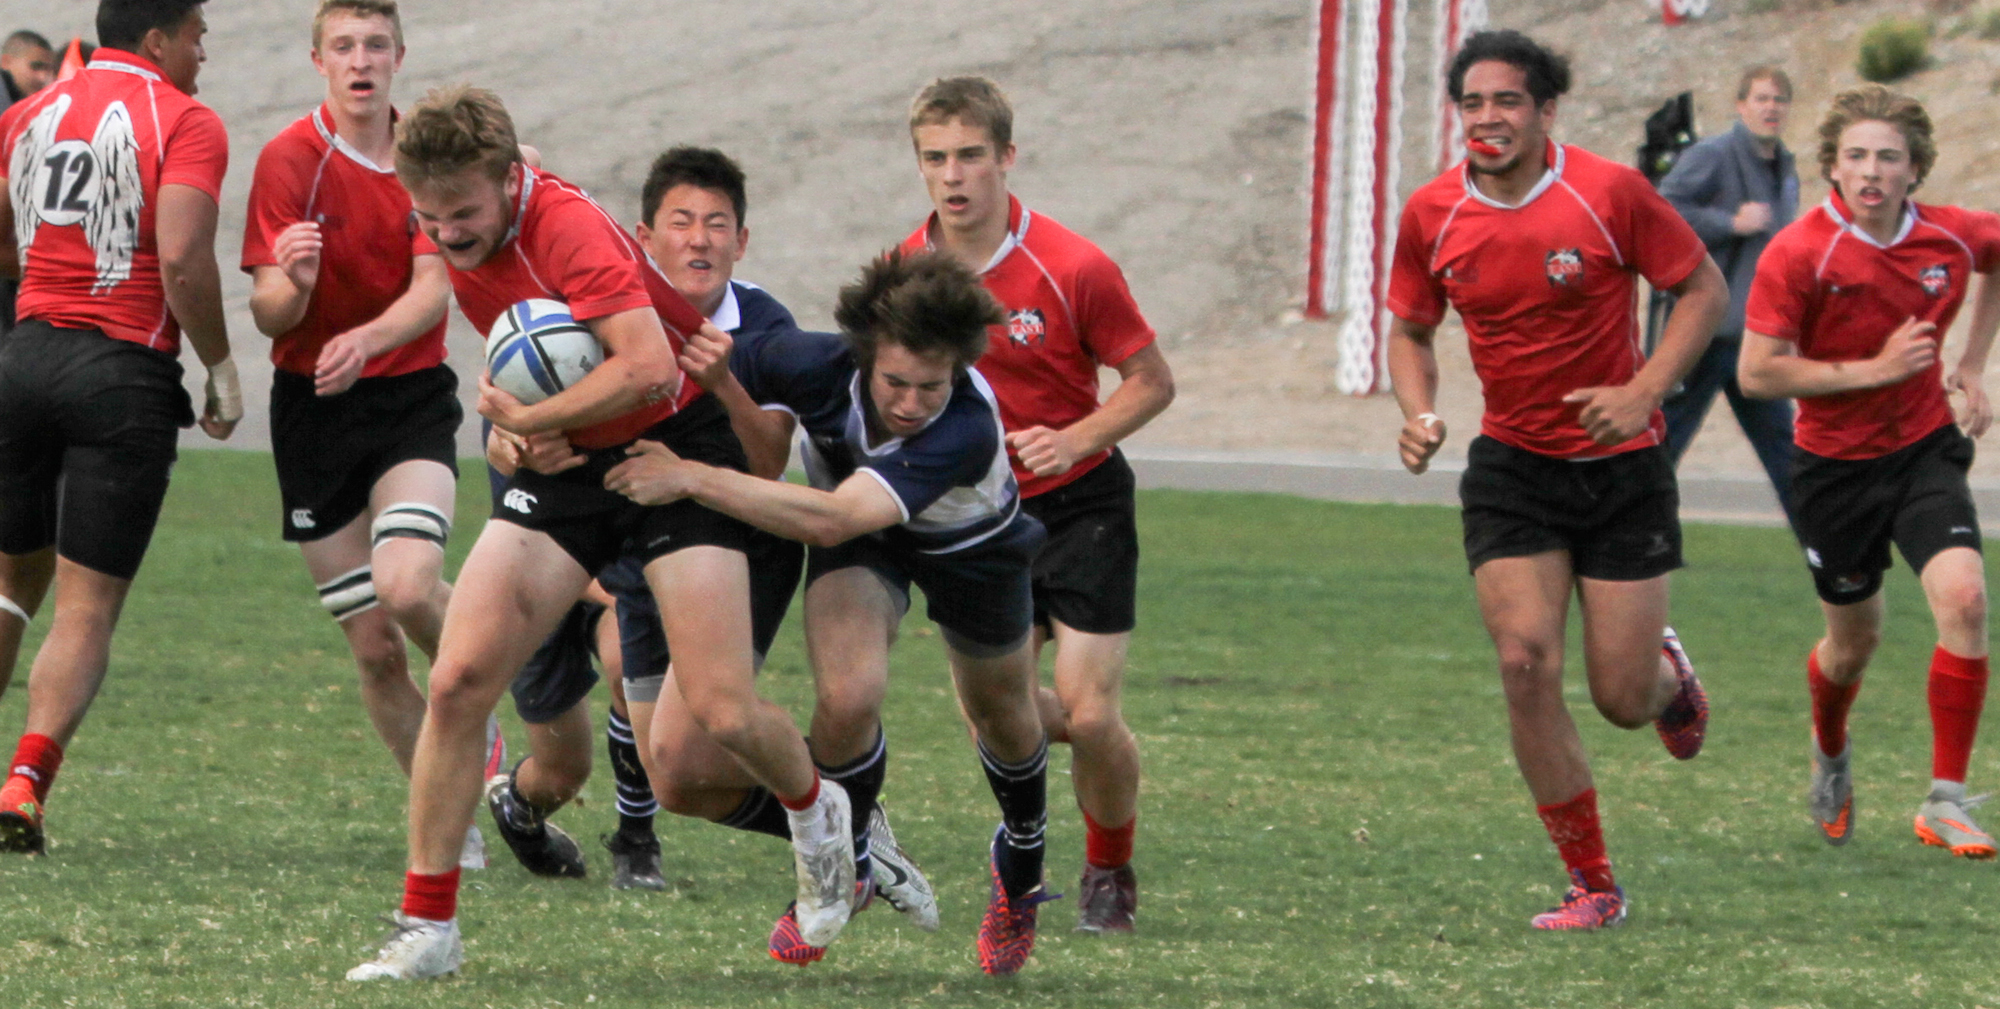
x=535 y=350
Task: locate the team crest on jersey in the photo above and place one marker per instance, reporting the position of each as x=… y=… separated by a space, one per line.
x=1565 y=266
x=1936 y=279
x=1026 y=327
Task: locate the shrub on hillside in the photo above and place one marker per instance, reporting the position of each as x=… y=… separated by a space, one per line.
x=1762 y=6
x=1988 y=24
x=1892 y=48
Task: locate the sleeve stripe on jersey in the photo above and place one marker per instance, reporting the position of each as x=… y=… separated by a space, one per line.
x=1616 y=253
x=893 y=496
x=1437 y=243
x=528 y=265
x=1060 y=296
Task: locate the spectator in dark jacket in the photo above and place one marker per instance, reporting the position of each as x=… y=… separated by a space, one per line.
x=1737 y=189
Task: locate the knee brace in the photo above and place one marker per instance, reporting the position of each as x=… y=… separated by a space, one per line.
x=410 y=520
x=349 y=594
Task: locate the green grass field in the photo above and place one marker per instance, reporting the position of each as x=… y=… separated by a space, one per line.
x=1330 y=815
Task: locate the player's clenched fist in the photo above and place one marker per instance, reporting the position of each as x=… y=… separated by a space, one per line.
x=297 y=251
x=705 y=356
x=1044 y=451
x=1420 y=439
x=1613 y=414
x=1909 y=350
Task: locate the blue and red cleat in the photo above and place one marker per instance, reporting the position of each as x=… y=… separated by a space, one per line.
x=1683 y=725
x=1007 y=933
x=1583 y=909
x=788 y=946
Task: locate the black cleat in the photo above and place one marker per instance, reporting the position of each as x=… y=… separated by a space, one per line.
x=542 y=847
x=635 y=861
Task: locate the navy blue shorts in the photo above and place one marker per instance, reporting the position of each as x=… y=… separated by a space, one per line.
x=775 y=564
x=982 y=597
x=559 y=675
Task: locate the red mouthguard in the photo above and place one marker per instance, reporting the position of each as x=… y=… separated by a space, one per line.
x=1482 y=147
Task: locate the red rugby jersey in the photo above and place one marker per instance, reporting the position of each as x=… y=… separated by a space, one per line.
x=1829 y=288
x=307 y=173
x=1068 y=311
x=85 y=159
x=565 y=247
x=1546 y=289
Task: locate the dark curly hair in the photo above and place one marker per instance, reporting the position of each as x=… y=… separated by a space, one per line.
x=926 y=302
x=1548 y=73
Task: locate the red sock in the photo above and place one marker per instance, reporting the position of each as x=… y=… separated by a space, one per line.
x=431 y=897
x=1830 y=702
x=1107 y=847
x=37 y=759
x=1958 y=692
x=804 y=802
x=1573 y=826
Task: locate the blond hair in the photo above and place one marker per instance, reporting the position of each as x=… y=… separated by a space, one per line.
x=1875 y=103
x=455 y=128
x=360 y=9
x=974 y=101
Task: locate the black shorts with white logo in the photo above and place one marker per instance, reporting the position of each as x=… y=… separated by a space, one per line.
x=775 y=566
x=597 y=526
x=1618 y=517
x=1848 y=511
x=980 y=594
x=88 y=428
x=330 y=450
x=559 y=674
x=1087 y=575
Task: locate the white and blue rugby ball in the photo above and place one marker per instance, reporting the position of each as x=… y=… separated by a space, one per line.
x=536 y=349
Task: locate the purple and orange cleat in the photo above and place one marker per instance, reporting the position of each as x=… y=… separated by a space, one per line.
x=1583 y=909
x=1683 y=725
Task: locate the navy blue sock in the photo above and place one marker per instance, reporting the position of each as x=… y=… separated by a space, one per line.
x=863 y=779
x=1023 y=791
x=760 y=813
x=636 y=806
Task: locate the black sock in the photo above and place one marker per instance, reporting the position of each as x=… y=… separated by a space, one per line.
x=1023 y=792
x=520 y=804
x=862 y=777
x=635 y=794
x=760 y=813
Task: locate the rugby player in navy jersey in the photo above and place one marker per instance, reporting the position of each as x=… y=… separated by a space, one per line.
x=910 y=484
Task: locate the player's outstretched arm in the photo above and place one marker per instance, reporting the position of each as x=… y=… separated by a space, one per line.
x=185 y=232
x=860 y=505
x=1145 y=387
x=766 y=434
x=1970 y=375
x=1413 y=374
x=1770 y=368
x=410 y=316
x=1613 y=415
x=638 y=369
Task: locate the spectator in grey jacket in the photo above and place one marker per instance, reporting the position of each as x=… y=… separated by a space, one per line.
x=1737 y=189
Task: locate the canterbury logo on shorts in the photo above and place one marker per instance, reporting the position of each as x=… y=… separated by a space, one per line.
x=518 y=500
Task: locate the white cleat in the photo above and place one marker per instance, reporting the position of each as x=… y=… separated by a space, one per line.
x=473 y=855
x=897 y=878
x=823 y=856
x=417 y=948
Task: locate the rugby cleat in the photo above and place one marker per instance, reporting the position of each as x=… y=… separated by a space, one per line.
x=1683 y=725
x=1107 y=899
x=417 y=948
x=1944 y=821
x=542 y=847
x=788 y=946
x=1583 y=909
x=823 y=860
x=1007 y=933
x=21 y=818
x=898 y=880
x=1830 y=797
x=635 y=861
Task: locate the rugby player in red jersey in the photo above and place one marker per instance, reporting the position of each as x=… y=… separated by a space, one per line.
x=364 y=411
x=1538 y=246
x=509 y=233
x=1069 y=312
x=111 y=226
x=1846 y=313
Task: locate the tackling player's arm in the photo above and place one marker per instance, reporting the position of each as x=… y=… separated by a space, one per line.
x=411 y=315
x=1615 y=414
x=860 y=505
x=1145 y=387
x=1413 y=375
x=185 y=233
x=638 y=369
x=1770 y=367
x=766 y=434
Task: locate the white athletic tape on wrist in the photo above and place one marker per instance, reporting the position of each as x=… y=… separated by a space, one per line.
x=15 y=608
x=1427 y=419
x=349 y=594
x=225 y=390
x=411 y=520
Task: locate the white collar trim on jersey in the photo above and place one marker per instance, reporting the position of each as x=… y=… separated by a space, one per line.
x=1550 y=176
x=728 y=316
x=1009 y=244
x=1902 y=231
x=106 y=63
x=521 y=206
x=335 y=141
